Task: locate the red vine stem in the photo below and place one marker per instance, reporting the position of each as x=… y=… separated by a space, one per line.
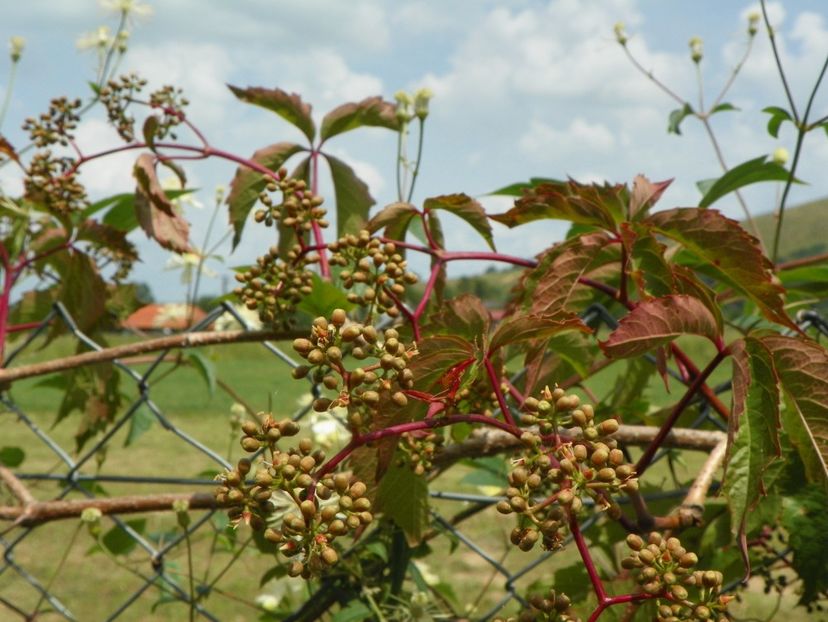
x=324 y=267
x=400 y=429
x=700 y=379
x=432 y=280
x=604 y=601
x=501 y=400
x=589 y=564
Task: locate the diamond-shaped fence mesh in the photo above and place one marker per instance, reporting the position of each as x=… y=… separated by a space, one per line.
x=155 y=563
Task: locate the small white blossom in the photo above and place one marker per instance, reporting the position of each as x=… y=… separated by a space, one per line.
x=228 y=322
x=127 y=7
x=100 y=39
x=16 y=46
x=780 y=156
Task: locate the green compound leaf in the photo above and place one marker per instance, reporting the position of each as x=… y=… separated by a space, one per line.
x=518 y=188
x=802 y=368
x=289 y=106
x=468 y=209
x=657 y=322
x=12 y=456
x=676 y=117
x=353 y=200
x=777 y=117
x=247 y=183
x=750 y=172
x=204 y=367
x=805 y=518
x=403 y=497
x=753 y=435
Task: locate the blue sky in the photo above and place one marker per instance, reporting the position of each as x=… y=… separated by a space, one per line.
x=522 y=88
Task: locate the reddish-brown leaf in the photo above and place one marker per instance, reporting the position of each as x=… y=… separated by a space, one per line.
x=657 y=322
x=247 y=183
x=524 y=327
x=370 y=112
x=598 y=206
x=289 y=106
x=465 y=207
x=156 y=213
x=549 y=288
x=728 y=252
x=645 y=194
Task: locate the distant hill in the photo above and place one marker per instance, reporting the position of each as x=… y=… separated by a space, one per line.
x=804 y=230
x=804 y=233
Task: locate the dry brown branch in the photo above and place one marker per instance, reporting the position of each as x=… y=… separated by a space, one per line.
x=186 y=340
x=698 y=491
x=17 y=488
x=37 y=512
x=489 y=442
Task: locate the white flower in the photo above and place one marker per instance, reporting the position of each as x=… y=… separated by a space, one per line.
x=173 y=183
x=429 y=577
x=696 y=49
x=189 y=263
x=268 y=602
x=326 y=429
x=421 y=99
x=780 y=156
x=16 y=45
x=100 y=39
x=127 y=7
x=228 y=322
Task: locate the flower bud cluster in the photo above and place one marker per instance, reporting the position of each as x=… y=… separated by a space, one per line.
x=364 y=390
x=53 y=182
x=274 y=287
x=664 y=568
x=417 y=449
x=337 y=506
x=552 y=607
x=564 y=475
x=171 y=102
x=116 y=97
x=298 y=209
x=374 y=270
x=56 y=126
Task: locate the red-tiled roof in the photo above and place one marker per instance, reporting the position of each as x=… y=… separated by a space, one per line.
x=164 y=316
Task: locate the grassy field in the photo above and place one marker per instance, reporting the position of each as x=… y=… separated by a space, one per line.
x=92 y=584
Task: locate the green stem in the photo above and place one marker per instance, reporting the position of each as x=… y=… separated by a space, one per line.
x=57 y=570
x=778 y=61
x=227 y=566
x=421 y=129
x=8 y=95
x=190 y=573
x=802 y=129
x=400 y=163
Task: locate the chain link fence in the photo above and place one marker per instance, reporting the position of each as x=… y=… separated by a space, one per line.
x=152 y=571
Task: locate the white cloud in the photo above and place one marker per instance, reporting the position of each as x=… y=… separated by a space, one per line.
x=541 y=140
x=106 y=175
x=365 y=170
x=324 y=78
x=199 y=69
